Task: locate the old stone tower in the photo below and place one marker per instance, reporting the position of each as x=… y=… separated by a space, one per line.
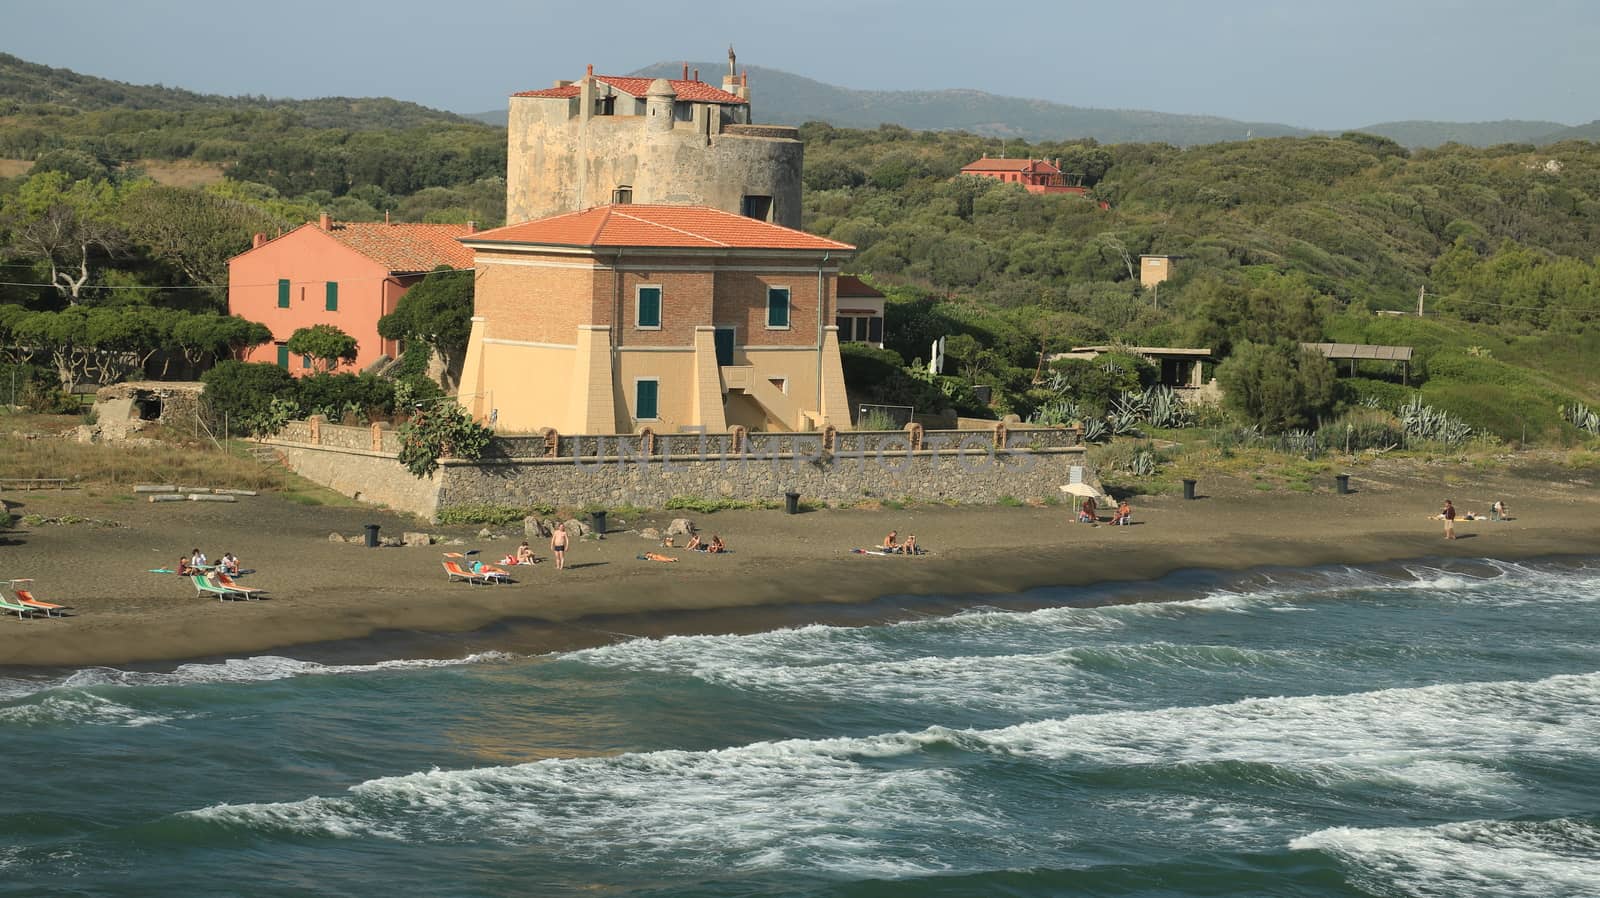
x=608 y=139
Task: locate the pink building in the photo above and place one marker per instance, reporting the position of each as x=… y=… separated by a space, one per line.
x=1035 y=175
x=347 y=274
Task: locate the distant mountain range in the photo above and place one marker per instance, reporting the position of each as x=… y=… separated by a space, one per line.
x=23 y=82
x=785 y=98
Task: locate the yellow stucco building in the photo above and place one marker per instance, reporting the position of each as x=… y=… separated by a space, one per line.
x=673 y=317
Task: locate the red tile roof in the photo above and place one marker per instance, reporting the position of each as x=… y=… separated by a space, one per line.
x=675 y=227
x=853 y=287
x=688 y=91
x=1032 y=165
x=405 y=247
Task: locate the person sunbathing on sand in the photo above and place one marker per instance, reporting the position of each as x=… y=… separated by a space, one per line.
x=694 y=542
x=716 y=544
x=229 y=564
x=909 y=547
x=891 y=543
x=657 y=556
x=183 y=567
x=524 y=554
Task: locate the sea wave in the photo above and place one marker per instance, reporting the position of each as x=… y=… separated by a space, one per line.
x=80 y=708
x=1507 y=859
x=260 y=668
x=785 y=804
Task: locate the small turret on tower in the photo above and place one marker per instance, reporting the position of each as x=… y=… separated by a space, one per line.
x=659 y=101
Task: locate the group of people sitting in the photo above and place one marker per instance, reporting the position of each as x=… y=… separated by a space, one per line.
x=891 y=543
x=1089 y=513
x=195 y=563
x=714 y=545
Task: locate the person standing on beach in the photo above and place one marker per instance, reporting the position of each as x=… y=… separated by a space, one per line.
x=558 y=546
x=1449 y=515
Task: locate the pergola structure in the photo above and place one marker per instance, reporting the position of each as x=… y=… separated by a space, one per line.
x=1180 y=367
x=1355 y=352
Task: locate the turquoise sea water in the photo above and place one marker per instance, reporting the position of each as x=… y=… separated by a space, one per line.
x=1412 y=730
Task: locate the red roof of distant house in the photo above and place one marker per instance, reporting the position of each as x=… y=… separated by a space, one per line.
x=853 y=287
x=400 y=247
x=674 y=227
x=1032 y=165
x=406 y=247
x=688 y=91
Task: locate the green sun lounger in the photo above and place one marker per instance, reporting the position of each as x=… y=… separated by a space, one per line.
x=20 y=609
x=201 y=587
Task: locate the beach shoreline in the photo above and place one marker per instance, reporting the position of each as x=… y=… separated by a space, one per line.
x=784 y=570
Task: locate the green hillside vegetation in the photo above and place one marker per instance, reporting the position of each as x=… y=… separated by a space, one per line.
x=1290 y=239
x=1473 y=134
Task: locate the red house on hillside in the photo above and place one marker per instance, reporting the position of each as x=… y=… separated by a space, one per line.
x=347 y=274
x=1036 y=175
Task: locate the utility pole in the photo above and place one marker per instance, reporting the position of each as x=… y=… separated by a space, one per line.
x=1421 y=292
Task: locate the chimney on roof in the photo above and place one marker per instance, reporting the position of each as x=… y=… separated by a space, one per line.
x=472 y=227
x=697 y=74
x=258 y=240
x=386 y=216
x=686 y=71
x=326 y=222
x=730 y=81
x=588 y=71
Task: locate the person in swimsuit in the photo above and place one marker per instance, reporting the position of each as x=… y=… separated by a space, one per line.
x=694 y=542
x=1124 y=515
x=716 y=544
x=891 y=543
x=558 y=546
x=1088 y=513
x=524 y=553
x=909 y=547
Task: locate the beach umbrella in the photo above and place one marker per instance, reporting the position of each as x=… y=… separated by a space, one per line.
x=1080 y=489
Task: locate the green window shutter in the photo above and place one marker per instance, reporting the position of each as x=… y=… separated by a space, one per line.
x=283 y=356
x=333 y=296
x=283 y=293
x=644 y=398
x=777 y=307
x=305 y=361
x=649 y=307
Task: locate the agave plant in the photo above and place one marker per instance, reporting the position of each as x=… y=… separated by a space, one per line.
x=1422 y=422
x=1165 y=408
x=1300 y=442
x=1055 y=413
x=1579 y=416
x=1143 y=463
x=1095 y=431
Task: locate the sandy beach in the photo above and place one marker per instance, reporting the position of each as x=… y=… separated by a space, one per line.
x=783 y=570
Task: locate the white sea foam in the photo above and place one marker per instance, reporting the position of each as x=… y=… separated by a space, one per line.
x=260 y=668
x=80 y=708
x=787 y=804
x=1506 y=859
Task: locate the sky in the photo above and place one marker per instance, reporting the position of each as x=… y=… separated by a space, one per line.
x=1331 y=64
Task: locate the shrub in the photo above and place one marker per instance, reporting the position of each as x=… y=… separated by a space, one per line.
x=707 y=506
x=484 y=513
x=1364 y=391
x=445 y=429
x=334 y=395
x=246 y=392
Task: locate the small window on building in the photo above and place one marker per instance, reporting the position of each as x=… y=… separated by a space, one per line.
x=781 y=383
x=605 y=105
x=757 y=207
x=305 y=361
x=778 y=308
x=622 y=195
x=645 y=391
x=283 y=356
x=683 y=112
x=845 y=328
x=283 y=293
x=874 y=330
x=332 y=303
x=647 y=308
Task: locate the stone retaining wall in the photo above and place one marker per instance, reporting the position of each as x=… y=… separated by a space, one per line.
x=648 y=469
